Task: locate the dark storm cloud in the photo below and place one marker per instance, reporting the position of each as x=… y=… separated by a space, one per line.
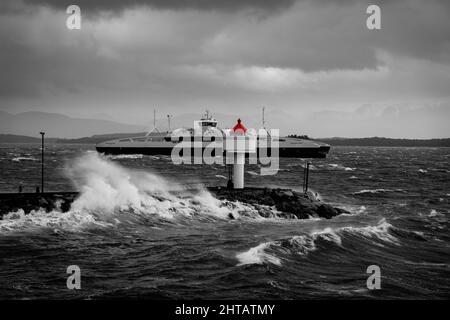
x=120 y=5
x=195 y=54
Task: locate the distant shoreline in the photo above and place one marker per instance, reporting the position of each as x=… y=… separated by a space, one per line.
x=386 y=142
x=355 y=142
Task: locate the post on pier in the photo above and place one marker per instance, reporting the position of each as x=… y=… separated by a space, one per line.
x=42 y=161
x=306 y=177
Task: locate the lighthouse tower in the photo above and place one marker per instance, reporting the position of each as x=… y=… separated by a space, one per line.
x=239 y=143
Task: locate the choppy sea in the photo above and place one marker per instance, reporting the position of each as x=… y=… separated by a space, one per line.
x=136 y=232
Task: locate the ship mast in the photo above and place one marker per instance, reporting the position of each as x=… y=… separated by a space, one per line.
x=154 y=124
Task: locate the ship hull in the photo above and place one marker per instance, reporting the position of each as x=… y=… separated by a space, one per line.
x=311 y=150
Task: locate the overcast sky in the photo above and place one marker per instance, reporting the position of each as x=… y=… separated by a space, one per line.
x=313 y=64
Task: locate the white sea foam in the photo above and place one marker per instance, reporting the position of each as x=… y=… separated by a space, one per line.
x=19 y=159
x=340 y=167
x=311 y=166
x=353 y=210
x=257 y=255
x=380 y=190
x=125 y=156
x=435 y=213
x=56 y=220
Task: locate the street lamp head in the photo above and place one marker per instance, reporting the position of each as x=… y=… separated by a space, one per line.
x=42 y=132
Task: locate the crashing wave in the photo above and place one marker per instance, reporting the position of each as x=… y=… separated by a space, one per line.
x=110 y=192
x=304 y=244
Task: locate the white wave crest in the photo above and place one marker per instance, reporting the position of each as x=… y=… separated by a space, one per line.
x=307 y=243
x=304 y=244
x=340 y=167
x=257 y=255
x=56 y=220
x=380 y=231
x=125 y=156
x=19 y=159
x=380 y=190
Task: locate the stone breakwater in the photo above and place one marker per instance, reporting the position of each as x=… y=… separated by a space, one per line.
x=289 y=204
x=11 y=202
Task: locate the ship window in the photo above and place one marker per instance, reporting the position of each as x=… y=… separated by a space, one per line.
x=124 y=140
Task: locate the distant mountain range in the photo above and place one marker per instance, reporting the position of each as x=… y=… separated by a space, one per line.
x=58 y=125
x=373 y=141
x=25 y=128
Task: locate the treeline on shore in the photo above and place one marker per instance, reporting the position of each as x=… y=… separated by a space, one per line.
x=387 y=142
x=366 y=142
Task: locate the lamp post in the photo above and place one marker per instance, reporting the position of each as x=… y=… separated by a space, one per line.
x=168 y=120
x=42 y=162
x=306 y=177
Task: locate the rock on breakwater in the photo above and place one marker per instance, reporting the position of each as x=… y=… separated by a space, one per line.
x=291 y=204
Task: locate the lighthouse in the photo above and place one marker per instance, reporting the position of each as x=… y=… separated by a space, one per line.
x=239 y=143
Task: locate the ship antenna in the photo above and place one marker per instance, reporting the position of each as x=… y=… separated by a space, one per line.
x=154 y=124
x=263 y=117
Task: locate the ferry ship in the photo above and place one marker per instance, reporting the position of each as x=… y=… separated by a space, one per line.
x=162 y=143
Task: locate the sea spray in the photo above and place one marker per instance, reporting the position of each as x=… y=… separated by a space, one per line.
x=105 y=185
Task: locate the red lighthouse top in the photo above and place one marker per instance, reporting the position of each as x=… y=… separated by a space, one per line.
x=239 y=127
